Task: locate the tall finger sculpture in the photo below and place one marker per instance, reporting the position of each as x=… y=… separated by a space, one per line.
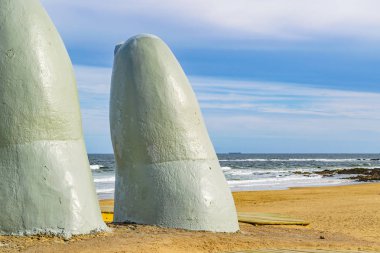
x=167 y=170
x=45 y=179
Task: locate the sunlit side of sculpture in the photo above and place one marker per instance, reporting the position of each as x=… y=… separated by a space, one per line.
x=45 y=180
x=167 y=170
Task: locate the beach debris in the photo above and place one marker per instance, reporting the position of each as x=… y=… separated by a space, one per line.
x=167 y=171
x=46 y=182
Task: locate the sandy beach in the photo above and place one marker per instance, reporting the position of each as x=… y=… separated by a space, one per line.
x=341 y=217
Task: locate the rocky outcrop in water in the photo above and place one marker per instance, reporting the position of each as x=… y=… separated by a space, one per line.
x=361 y=174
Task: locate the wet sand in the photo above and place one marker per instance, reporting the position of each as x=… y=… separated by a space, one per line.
x=342 y=217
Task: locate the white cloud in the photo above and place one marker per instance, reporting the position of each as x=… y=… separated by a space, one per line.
x=214 y=19
x=93 y=80
x=285 y=98
x=252 y=110
x=94 y=88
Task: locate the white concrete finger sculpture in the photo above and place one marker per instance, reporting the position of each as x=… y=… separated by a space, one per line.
x=45 y=180
x=167 y=170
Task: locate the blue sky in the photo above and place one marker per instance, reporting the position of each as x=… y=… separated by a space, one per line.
x=270 y=76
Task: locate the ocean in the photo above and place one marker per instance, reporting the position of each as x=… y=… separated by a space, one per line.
x=246 y=172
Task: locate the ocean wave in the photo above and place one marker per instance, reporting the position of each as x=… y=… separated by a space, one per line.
x=239 y=172
x=275 y=180
x=285 y=183
x=325 y=160
x=251 y=171
x=96 y=166
x=104 y=179
x=245 y=160
x=109 y=190
x=297 y=160
x=226 y=168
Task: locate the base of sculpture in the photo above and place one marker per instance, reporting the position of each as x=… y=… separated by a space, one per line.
x=169 y=190
x=44 y=178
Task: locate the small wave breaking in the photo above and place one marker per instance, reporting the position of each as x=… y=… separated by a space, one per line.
x=295 y=160
x=96 y=166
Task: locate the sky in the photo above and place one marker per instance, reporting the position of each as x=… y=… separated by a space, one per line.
x=273 y=76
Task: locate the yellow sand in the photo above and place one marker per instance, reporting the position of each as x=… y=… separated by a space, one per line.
x=345 y=217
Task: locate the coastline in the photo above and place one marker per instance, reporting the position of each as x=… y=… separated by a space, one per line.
x=253 y=172
x=284 y=188
x=342 y=217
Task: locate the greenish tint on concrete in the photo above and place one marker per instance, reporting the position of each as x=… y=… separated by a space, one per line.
x=167 y=170
x=46 y=184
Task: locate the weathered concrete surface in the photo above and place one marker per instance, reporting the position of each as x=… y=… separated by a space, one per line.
x=167 y=170
x=45 y=180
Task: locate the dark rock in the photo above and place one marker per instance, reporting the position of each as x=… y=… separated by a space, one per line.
x=372 y=175
x=326 y=173
x=355 y=171
x=361 y=174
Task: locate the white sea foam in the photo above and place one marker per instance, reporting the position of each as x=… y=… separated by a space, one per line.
x=109 y=190
x=276 y=179
x=294 y=160
x=252 y=171
x=284 y=183
x=240 y=172
x=96 y=166
x=245 y=160
x=323 y=160
x=104 y=179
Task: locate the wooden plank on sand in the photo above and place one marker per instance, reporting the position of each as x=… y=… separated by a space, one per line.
x=269 y=219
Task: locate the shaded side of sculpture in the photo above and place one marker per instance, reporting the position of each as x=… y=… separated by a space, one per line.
x=167 y=170
x=46 y=184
